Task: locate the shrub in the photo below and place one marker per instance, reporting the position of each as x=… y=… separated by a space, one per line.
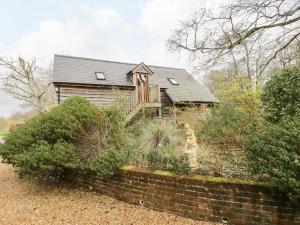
x=53 y=141
x=45 y=145
x=178 y=164
x=226 y=125
x=155 y=146
x=168 y=159
x=108 y=162
x=281 y=95
x=273 y=154
x=112 y=129
x=156 y=159
x=155 y=135
x=46 y=161
x=274 y=151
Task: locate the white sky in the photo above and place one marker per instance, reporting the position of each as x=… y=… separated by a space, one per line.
x=129 y=30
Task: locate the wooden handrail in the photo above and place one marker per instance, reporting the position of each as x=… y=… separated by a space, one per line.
x=154 y=93
x=137 y=103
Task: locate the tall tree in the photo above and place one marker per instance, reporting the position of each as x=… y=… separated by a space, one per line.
x=249 y=33
x=27 y=82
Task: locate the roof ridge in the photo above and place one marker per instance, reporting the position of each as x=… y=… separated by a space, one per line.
x=110 y=61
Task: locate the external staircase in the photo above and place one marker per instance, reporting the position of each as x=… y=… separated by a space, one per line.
x=139 y=102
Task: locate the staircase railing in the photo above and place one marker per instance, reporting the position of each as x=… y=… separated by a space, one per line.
x=135 y=103
x=154 y=93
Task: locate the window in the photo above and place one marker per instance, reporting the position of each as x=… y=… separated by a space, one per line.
x=142 y=78
x=100 y=75
x=173 y=81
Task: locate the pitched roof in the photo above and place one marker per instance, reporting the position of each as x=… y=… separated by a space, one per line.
x=69 y=69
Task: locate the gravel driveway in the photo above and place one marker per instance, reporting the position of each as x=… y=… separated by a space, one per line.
x=26 y=203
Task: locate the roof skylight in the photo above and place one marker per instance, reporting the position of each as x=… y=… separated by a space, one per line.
x=173 y=81
x=100 y=75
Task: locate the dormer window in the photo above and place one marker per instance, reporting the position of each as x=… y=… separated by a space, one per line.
x=142 y=78
x=100 y=75
x=173 y=81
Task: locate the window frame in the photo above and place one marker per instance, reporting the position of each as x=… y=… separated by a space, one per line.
x=98 y=77
x=173 y=81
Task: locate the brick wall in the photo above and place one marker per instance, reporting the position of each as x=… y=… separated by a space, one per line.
x=197 y=197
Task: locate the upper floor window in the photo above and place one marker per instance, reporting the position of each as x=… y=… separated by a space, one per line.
x=100 y=75
x=173 y=81
x=142 y=78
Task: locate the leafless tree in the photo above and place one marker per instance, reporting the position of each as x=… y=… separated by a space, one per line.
x=27 y=82
x=249 y=33
x=288 y=56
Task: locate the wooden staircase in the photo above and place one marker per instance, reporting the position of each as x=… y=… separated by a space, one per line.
x=139 y=102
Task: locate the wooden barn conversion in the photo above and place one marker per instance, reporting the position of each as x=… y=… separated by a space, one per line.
x=101 y=81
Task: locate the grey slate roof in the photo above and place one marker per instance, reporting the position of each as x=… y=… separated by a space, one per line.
x=69 y=69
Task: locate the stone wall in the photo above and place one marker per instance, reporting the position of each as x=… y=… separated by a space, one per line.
x=197 y=197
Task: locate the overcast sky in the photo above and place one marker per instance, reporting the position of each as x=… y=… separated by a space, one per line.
x=127 y=30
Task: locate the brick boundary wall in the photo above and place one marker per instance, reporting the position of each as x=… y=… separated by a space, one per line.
x=197 y=197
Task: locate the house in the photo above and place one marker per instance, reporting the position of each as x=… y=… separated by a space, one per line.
x=100 y=81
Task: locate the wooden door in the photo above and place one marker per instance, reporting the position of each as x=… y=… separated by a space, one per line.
x=142 y=87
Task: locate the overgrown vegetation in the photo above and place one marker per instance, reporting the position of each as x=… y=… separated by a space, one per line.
x=237 y=115
x=52 y=142
x=281 y=96
x=255 y=140
x=226 y=125
x=273 y=151
x=159 y=145
x=241 y=137
x=273 y=155
x=168 y=159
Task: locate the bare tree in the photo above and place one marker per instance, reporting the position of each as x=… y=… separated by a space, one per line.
x=27 y=82
x=250 y=33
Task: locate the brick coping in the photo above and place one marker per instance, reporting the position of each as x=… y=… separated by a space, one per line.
x=194 y=177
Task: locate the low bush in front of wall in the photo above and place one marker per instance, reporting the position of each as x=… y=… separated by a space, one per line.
x=159 y=145
x=74 y=135
x=273 y=155
x=168 y=160
x=273 y=151
x=225 y=125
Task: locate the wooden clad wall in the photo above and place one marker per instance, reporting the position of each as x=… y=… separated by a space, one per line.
x=100 y=96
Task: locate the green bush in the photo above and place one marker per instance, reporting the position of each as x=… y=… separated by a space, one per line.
x=113 y=128
x=156 y=135
x=273 y=154
x=108 y=162
x=178 y=164
x=169 y=160
x=156 y=159
x=281 y=95
x=73 y=135
x=155 y=144
x=226 y=125
x=46 y=161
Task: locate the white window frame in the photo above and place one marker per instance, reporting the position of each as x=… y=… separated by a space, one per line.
x=100 y=76
x=173 y=81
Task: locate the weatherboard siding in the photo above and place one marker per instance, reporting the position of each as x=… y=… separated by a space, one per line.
x=106 y=96
x=100 y=96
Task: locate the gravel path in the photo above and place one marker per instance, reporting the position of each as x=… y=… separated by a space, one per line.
x=26 y=203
